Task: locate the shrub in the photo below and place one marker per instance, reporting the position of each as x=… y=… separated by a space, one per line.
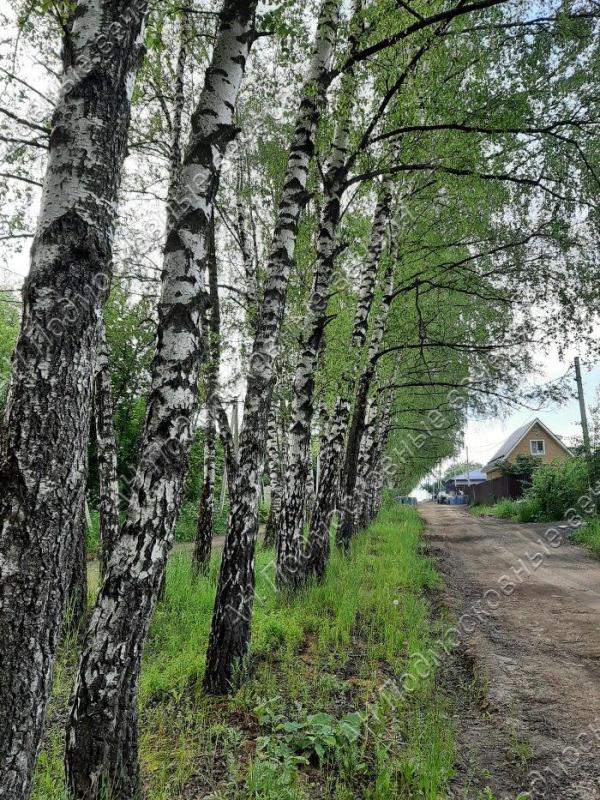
x=505 y=509
x=321 y=736
x=519 y=510
x=557 y=487
x=481 y=511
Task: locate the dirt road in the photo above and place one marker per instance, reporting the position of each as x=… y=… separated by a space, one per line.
x=526 y=674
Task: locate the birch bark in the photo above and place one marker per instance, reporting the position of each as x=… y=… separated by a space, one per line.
x=378 y=472
x=230 y=632
x=106 y=453
x=357 y=425
x=299 y=482
x=77 y=595
x=367 y=466
x=175 y=150
x=204 y=534
x=251 y=278
x=50 y=397
x=290 y=542
x=101 y=746
x=274 y=456
x=365 y=458
x=327 y=495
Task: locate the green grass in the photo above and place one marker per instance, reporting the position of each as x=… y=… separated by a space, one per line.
x=187 y=524
x=338 y=649
x=515 y=510
x=589 y=535
x=92 y=536
x=505 y=509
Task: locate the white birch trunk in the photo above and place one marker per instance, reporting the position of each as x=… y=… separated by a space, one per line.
x=251 y=278
x=327 y=496
x=291 y=539
x=230 y=633
x=353 y=444
x=274 y=457
x=101 y=747
x=365 y=459
x=42 y=463
x=204 y=531
x=106 y=453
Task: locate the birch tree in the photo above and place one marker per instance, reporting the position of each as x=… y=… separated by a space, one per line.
x=318 y=540
x=366 y=461
x=291 y=530
x=49 y=404
x=106 y=447
x=101 y=751
x=276 y=477
x=357 y=425
x=203 y=548
x=230 y=632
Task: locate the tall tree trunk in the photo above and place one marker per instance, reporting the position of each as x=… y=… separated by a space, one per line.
x=101 y=747
x=274 y=457
x=291 y=532
x=318 y=541
x=371 y=473
x=365 y=457
x=250 y=274
x=77 y=602
x=175 y=149
x=378 y=467
x=230 y=632
x=107 y=453
x=42 y=463
x=290 y=551
x=204 y=533
x=309 y=499
x=357 y=425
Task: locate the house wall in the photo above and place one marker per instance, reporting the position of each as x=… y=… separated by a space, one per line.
x=553 y=450
x=505 y=487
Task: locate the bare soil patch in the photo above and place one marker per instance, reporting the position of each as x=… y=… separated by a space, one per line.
x=526 y=674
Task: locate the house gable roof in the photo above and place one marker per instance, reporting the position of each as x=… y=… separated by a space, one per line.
x=516 y=437
x=474 y=475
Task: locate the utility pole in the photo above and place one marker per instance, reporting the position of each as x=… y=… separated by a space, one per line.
x=584 y=424
x=582 y=408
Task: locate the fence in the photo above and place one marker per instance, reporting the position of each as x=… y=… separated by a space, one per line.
x=507 y=487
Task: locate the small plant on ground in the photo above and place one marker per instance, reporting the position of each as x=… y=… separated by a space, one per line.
x=321 y=737
x=273 y=774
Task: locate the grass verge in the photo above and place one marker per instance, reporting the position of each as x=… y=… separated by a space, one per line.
x=516 y=510
x=314 y=719
x=589 y=535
